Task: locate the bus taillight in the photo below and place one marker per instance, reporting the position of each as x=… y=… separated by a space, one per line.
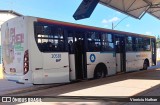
x=26 y=62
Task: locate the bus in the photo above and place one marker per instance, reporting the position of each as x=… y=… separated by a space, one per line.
x=42 y=51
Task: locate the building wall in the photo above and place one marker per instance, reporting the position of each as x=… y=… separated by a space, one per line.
x=4 y=17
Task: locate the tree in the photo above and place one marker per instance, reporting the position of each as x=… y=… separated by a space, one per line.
x=158 y=37
x=158 y=41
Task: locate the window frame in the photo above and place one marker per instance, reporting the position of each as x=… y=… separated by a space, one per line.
x=42 y=46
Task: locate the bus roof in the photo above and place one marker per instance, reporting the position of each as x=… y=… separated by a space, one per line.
x=90 y=27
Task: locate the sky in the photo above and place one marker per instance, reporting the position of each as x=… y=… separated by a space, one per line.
x=102 y=16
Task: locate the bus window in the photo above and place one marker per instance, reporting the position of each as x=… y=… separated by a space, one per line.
x=141 y=44
x=147 y=46
x=107 y=42
x=94 y=41
x=129 y=42
x=49 y=38
x=134 y=44
x=138 y=46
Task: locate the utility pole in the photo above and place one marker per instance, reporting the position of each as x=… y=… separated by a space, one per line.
x=112 y=26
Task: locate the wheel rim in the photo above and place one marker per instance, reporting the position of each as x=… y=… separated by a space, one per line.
x=99 y=74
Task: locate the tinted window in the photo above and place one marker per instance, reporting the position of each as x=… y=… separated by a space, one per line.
x=94 y=41
x=49 y=38
x=107 y=42
x=147 y=46
x=137 y=44
x=129 y=43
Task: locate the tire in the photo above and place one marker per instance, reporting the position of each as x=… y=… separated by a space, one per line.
x=145 y=65
x=100 y=71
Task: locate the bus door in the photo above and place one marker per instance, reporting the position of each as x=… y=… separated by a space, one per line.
x=120 y=53
x=80 y=55
x=71 y=50
x=153 y=46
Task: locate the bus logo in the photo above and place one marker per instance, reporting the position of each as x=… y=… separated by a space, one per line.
x=92 y=58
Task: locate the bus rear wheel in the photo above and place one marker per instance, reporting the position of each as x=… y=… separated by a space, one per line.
x=145 y=65
x=100 y=71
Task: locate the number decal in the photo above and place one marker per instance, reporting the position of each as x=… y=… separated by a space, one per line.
x=57 y=57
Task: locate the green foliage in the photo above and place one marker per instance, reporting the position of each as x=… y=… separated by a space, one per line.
x=158 y=42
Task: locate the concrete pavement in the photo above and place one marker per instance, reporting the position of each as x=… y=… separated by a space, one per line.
x=122 y=85
x=143 y=83
x=10 y=86
x=7 y=87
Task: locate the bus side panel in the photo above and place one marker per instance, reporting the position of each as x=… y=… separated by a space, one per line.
x=131 y=61
x=56 y=67
x=35 y=56
x=107 y=58
x=135 y=60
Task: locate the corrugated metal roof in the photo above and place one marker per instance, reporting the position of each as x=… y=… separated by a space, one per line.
x=135 y=8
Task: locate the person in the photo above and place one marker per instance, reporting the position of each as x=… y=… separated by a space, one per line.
x=60 y=45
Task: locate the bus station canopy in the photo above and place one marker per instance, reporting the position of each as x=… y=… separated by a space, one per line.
x=134 y=8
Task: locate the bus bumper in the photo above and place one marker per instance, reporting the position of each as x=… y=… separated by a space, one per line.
x=17 y=78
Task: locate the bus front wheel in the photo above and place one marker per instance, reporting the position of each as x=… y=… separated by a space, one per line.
x=100 y=71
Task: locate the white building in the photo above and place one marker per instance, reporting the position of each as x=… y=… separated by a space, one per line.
x=4 y=16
